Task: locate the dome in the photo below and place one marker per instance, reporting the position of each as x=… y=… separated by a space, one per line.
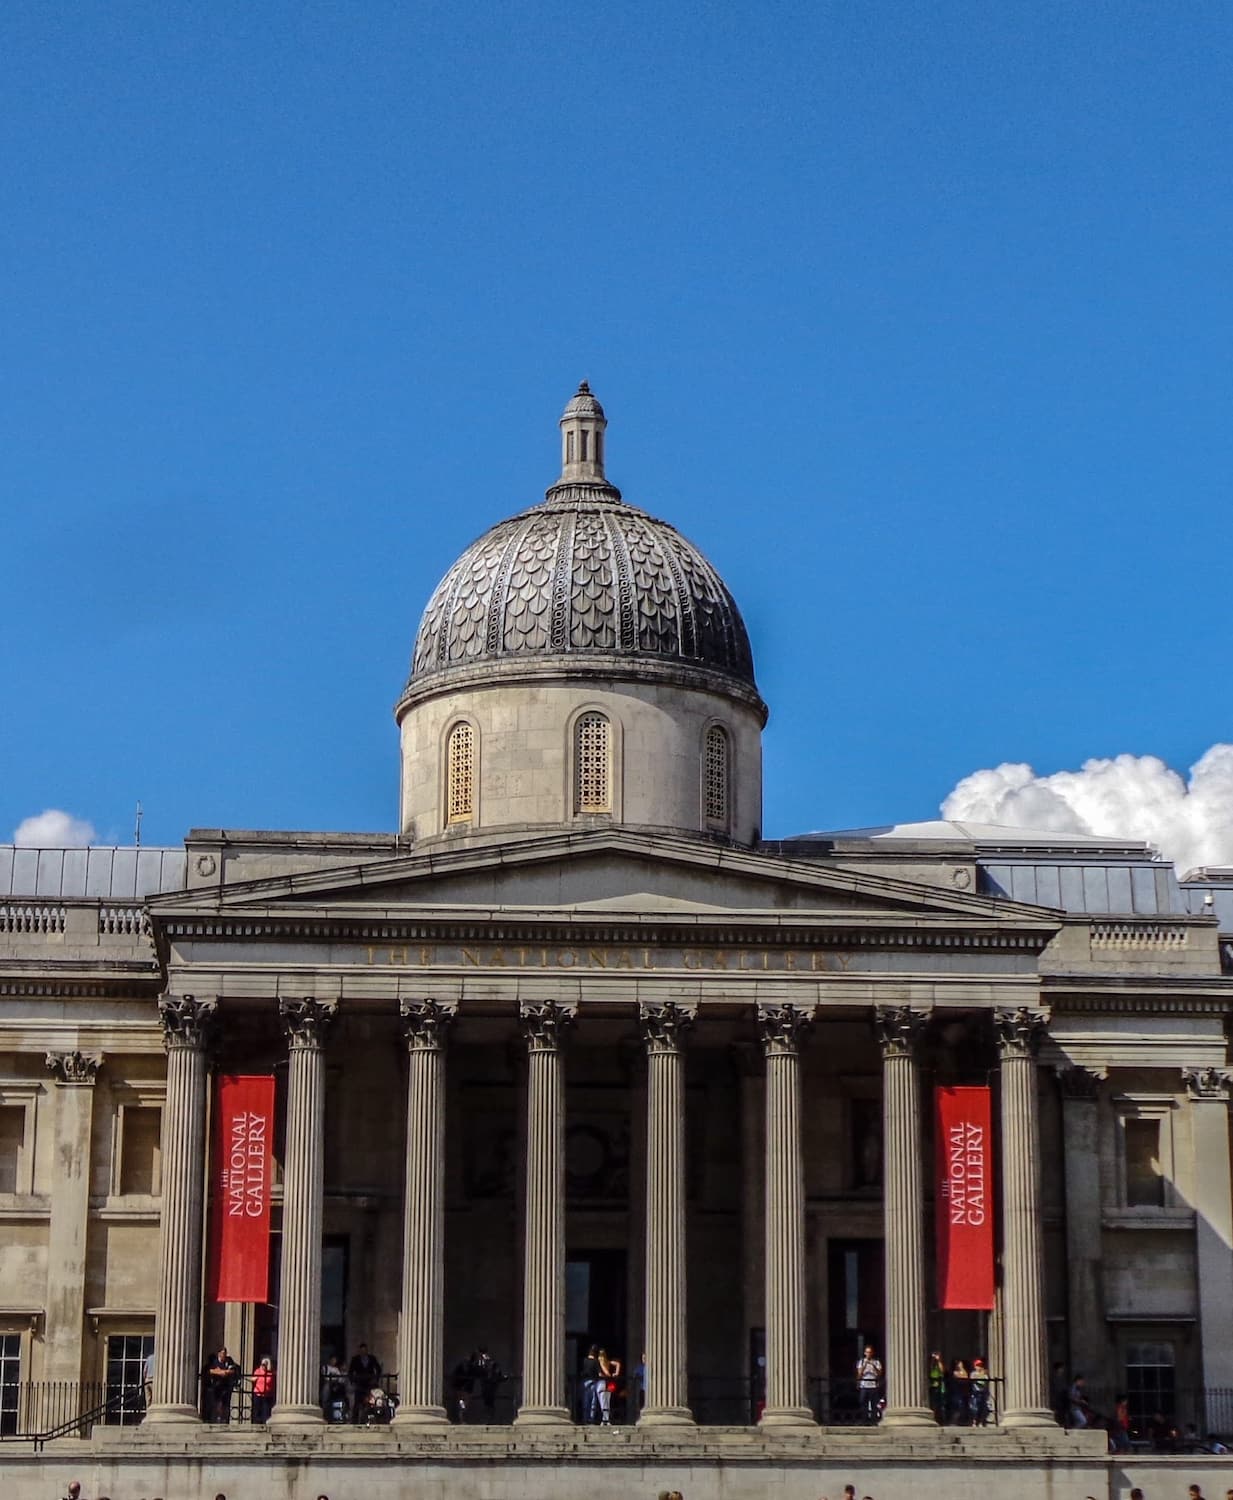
x=585 y=581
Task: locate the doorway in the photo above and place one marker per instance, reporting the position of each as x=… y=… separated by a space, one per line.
x=855 y=1279
x=595 y=1312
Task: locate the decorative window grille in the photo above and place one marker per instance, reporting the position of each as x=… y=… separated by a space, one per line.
x=460 y=774
x=715 y=775
x=592 y=777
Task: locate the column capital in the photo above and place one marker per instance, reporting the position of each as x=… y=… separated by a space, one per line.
x=899 y=1029
x=306 y=1020
x=664 y=1024
x=187 y=1021
x=74 y=1067
x=1208 y=1084
x=544 y=1024
x=1019 y=1030
x=1080 y=1085
x=783 y=1028
x=425 y=1023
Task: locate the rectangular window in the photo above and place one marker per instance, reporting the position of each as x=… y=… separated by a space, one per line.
x=10 y=1381
x=865 y=1142
x=1144 y=1179
x=583 y=438
x=12 y=1146
x=1150 y=1385
x=141 y=1150
x=125 y=1389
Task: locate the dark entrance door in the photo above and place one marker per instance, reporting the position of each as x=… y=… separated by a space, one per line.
x=594 y=1312
x=855 y=1280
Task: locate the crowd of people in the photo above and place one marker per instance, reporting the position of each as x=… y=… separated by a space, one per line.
x=354 y=1394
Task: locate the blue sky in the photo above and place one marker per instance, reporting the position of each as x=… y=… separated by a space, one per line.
x=916 y=318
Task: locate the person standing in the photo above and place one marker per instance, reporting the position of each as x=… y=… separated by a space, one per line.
x=868 y=1382
x=590 y=1385
x=937 y=1387
x=959 y=1390
x=263 y=1390
x=490 y=1375
x=609 y=1369
x=221 y=1374
x=364 y=1374
x=978 y=1399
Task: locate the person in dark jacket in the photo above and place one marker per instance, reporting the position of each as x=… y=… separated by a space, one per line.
x=221 y=1374
x=364 y=1373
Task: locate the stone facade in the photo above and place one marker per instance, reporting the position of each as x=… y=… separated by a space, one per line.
x=547 y=1077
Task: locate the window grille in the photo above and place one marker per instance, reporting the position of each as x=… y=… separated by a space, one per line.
x=1150 y=1382
x=460 y=775
x=126 y=1357
x=592 y=765
x=10 y=1382
x=715 y=775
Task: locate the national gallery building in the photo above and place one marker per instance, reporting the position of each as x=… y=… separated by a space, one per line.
x=577 y=1057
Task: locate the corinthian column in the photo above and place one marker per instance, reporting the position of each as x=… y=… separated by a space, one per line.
x=787 y=1400
x=187 y=1024
x=1023 y=1300
x=543 y=1295
x=667 y=1399
x=907 y=1397
x=297 y=1391
x=421 y=1339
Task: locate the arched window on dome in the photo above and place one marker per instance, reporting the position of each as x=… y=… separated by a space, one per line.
x=715 y=758
x=460 y=774
x=592 y=764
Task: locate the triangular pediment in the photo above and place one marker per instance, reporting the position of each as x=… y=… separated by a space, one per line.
x=608 y=870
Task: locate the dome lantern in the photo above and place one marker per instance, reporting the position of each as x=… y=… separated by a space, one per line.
x=582 y=439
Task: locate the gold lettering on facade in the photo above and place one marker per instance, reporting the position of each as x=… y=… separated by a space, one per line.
x=596 y=958
x=712 y=960
x=399 y=956
x=471 y=956
x=566 y=953
x=427 y=955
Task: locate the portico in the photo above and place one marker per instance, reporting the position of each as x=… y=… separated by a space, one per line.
x=558 y=1031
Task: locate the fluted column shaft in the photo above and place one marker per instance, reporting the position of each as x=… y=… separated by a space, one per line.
x=177 y=1317
x=298 y=1387
x=1023 y=1301
x=907 y=1395
x=787 y=1397
x=421 y=1336
x=543 y=1298
x=667 y=1399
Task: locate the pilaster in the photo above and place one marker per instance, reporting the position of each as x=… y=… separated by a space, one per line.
x=1207 y=1090
x=75 y=1074
x=1086 y=1328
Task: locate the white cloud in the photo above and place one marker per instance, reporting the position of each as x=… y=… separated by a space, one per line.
x=53 y=829
x=1129 y=796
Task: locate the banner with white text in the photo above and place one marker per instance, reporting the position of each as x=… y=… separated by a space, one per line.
x=244 y=1136
x=964 y=1197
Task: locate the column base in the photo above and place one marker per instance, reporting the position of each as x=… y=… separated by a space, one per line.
x=171 y=1414
x=420 y=1416
x=543 y=1416
x=296 y=1416
x=785 y=1418
x=666 y=1416
x=1028 y=1416
x=908 y=1416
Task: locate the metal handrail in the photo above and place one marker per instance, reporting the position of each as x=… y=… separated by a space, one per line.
x=79 y=1422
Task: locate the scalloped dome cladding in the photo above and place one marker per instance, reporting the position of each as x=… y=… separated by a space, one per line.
x=582 y=573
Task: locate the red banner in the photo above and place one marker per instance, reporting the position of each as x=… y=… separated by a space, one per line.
x=964 y=1197
x=244 y=1136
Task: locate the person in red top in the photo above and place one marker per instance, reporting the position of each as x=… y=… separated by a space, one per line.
x=263 y=1390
